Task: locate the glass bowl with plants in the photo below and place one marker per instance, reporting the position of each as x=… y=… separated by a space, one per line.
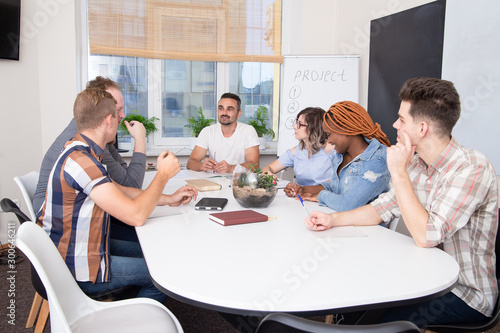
x=252 y=188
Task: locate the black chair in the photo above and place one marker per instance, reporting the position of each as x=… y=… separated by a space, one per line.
x=286 y=323
x=10 y=207
x=40 y=306
x=476 y=326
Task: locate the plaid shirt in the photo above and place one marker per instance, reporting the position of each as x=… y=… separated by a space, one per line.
x=77 y=226
x=460 y=193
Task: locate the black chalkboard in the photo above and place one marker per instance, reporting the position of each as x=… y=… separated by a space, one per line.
x=403 y=45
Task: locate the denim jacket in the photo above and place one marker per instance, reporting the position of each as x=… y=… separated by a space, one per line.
x=359 y=182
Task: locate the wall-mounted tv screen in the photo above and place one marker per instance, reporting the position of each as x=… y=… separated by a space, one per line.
x=10 y=26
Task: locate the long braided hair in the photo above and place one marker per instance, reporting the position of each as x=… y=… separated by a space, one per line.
x=352 y=119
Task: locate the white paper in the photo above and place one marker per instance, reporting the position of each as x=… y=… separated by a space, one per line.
x=347 y=232
x=161 y=211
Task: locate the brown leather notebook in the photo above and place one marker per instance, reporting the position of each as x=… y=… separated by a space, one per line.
x=238 y=217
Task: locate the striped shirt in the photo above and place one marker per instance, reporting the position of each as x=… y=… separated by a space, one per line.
x=77 y=226
x=459 y=190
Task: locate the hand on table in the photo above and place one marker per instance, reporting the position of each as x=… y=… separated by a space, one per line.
x=182 y=196
x=208 y=164
x=306 y=196
x=319 y=221
x=292 y=190
x=222 y=167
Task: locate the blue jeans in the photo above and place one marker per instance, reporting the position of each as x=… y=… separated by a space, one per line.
x=127 y=268
x=446 y=309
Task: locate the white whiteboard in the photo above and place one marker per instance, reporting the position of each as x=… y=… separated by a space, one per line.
x=314 y=81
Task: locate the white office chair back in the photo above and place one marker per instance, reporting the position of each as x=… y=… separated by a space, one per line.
x=27 y=184
x=73 y=311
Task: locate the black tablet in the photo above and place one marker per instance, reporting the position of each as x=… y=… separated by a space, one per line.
x=211 y=204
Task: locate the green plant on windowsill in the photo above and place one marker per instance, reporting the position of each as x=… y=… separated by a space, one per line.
x=196 y=124
x=149 y=124
x=260 y=123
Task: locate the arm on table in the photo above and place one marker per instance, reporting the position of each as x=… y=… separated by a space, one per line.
x=133 y=206
x=362 y=216
x=195 y=160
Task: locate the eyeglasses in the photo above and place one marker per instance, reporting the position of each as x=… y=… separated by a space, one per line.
x=298 y=124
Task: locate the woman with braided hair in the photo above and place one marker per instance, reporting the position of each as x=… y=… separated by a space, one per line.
x=310 y=159
x=359 y=169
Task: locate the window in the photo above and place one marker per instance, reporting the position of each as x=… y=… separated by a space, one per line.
x=172 y=57
x=179 y=88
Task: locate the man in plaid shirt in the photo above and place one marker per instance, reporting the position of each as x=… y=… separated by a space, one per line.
x=447 y=196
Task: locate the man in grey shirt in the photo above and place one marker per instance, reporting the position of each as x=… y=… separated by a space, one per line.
x=131 y=175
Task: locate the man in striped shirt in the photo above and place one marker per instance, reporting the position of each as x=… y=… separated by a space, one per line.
x=448 y=197
x=81 y=197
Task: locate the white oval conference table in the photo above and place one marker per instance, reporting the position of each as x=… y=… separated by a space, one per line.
x=280 y=265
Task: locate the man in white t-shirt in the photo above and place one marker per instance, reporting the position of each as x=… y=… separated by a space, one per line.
x=228 y=142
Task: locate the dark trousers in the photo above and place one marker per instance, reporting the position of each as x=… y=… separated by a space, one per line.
x=446 y=309
x=121 y=231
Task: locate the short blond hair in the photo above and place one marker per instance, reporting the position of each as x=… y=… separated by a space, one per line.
x=103 y=83
x=91 y=107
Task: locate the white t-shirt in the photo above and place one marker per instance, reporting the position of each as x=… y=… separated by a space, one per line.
x=231 y=149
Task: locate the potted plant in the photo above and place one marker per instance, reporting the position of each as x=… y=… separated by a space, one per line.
x=149 y=124
x=196 y=124
x=260 y=122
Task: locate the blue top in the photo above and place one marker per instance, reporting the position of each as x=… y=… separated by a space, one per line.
x=308 y=171
x=359 y=182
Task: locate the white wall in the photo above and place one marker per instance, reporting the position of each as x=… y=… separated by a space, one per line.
x=471 y=61
x=326 y=27
x=36 y=92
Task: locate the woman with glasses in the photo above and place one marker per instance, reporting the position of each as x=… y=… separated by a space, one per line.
x=359 y=167
x=310 y=159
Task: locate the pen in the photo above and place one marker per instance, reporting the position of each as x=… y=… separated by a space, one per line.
x=302 y=202
x=213 y=170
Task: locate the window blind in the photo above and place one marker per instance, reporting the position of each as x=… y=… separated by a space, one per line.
x=198 y=30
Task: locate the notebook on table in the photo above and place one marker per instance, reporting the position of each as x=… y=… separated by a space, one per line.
x=204 y=184
x=238 y=217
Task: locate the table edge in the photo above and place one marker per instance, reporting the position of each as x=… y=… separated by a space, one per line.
x=306 y=313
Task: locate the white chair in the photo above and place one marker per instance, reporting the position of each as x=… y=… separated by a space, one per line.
x=73 y=311
x=40 y=307
x=27 y=185
x=394 y=223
